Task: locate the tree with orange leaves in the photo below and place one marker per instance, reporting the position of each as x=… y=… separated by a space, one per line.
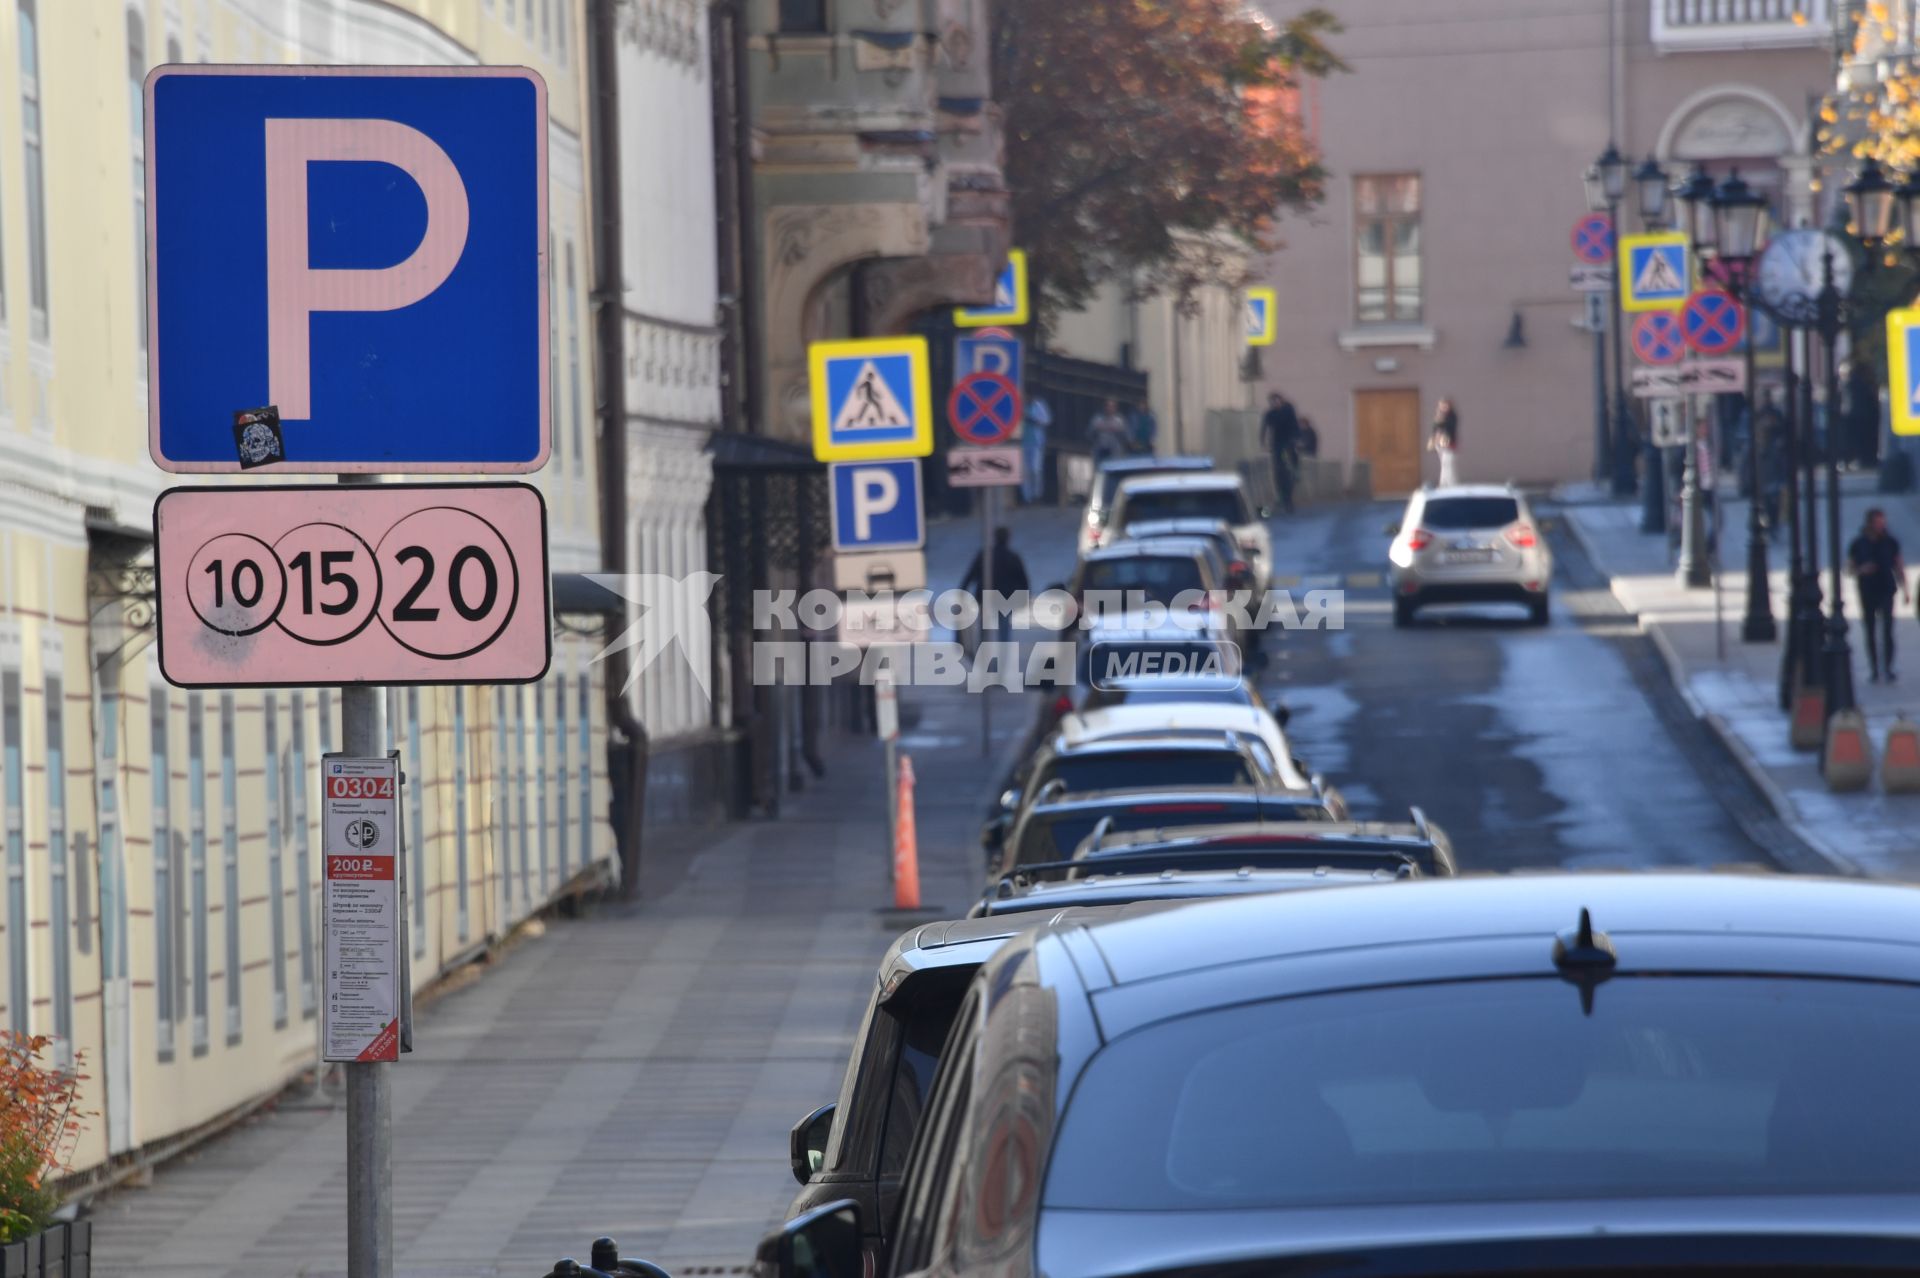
x=40 y=1122
x=1131 y=122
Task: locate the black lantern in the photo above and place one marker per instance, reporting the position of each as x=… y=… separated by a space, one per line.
x=1870 y=204
x=1694 y=196
x=1652 y=181
x=1739 y=220
x=1613 y=173
x=1906 y=209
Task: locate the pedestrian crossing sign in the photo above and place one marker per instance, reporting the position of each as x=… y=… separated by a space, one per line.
x=1009 y=307
x=1903 y=371
x=871 y=399
x=1658 y=276
x=1260 y=327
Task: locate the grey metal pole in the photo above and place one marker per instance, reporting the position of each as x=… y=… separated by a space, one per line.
x=1693 y=571
x=986 y=589
x=1602 y=463
x=363 y=732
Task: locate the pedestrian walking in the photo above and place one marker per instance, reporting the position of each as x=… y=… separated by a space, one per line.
x=1280 y=434
x=1009 y=579
x=1878 y=572
x=1444 y=439
x=1108 y=433
x=1033 y=451
x=1143 y=429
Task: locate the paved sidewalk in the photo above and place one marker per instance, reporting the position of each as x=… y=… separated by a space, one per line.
x=633 y=1073
x=1734 y=686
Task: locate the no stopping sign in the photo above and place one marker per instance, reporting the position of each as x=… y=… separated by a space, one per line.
x=984 y=408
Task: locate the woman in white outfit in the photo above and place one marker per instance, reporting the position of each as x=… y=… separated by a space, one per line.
x=1444 y=439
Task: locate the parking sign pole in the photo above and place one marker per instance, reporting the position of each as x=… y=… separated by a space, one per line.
x=986 y=590
x=363 y=733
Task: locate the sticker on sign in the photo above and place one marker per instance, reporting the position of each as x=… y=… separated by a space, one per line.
x=362 y=927
x=312 y=585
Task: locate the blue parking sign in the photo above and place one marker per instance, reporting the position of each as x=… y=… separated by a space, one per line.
x=877 y=506
x=363 y=249
x=1000 y=355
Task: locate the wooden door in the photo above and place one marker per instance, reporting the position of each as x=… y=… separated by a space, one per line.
x=1387 y=434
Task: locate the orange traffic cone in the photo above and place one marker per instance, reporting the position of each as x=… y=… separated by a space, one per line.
x=906 y=844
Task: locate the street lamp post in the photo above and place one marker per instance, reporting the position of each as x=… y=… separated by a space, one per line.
x=1651 y=181
x=1611 y=171
x=1693 y=200
x=1739 y=231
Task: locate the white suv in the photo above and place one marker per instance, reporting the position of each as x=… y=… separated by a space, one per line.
x=1469 y=543
x=1215 y=494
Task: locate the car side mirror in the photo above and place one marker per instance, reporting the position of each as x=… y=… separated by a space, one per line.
x=824 y=1243
x=1281 y=715
x=1393 y=529
x=807 y=1143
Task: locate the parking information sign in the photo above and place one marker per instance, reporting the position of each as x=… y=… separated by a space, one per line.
x=361 y=924
x=305 y=585
x=362 y=250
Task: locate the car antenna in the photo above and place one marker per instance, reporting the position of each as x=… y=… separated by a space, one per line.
x=1585 y=957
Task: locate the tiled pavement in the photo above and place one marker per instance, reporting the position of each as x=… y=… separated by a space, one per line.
x=1734 y=685
x=631 y=1073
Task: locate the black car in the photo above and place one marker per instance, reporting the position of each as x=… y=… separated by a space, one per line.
x=1581 y=1074
x=1051 y=827
x=1338 y=844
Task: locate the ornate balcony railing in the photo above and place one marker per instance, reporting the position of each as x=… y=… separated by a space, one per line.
x=1691 y=25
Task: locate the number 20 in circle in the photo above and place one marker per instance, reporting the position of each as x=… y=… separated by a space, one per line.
x=451 y=580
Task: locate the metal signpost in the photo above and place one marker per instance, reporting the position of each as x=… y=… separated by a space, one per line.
x=347 y=274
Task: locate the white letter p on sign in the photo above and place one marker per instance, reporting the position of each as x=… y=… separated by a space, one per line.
x=875 y=492
x=295 y=291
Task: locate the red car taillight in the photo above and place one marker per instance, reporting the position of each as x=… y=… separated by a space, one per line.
x=1522 y=535
x=1419 y=539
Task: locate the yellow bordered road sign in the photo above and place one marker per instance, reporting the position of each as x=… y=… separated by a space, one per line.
x=1903 y=370
x=1260 y=317
x=872 y=399
x=1655 y=271
x=1010 y=304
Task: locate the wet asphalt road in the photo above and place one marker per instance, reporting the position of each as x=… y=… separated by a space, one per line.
x=1565 y=746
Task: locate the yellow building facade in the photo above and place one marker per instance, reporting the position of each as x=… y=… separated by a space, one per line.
x=160 y=911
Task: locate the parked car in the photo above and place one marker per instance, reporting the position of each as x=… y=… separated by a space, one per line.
x=1215 y=495
x=1553 y=1075
x=1107 y=482
x=1346 y=844
x=1018 y=894
x=1469 y=543
x=1171 y=572
x=1217 y=533
x=1134 y=718
x=1050 y=828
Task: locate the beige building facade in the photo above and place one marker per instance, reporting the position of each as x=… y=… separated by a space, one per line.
x=1438 y=264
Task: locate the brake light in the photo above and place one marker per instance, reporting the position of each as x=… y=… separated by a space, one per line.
x=1419 y=539
x=1062 y=704
x=1238 y=567
x=1522 y=536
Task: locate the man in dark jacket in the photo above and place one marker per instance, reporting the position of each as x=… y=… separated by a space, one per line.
x=1009 y=579
x=1280 y=432
x=1878 y=572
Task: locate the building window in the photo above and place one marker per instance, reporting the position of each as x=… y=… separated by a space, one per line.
x=278 y=782
x=460 y=812
x=136 y=121
x=583 y=724
x=416 y=824
x=573 y=368
x=164 y=916
x=302 y=848
x=59 y=900
x=113 y=897
x=1386 y=237
x=230 y=861
x=197 y=817
x=19 y=993
x=30 y=131
x=803 y=16
x=563 y=749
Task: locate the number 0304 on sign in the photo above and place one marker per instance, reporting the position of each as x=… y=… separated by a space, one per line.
x=309 y=585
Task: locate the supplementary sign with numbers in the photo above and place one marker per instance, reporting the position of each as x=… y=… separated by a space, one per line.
x=362 y=927
x=362 y=249
x=1695 y=377
x=316 y=585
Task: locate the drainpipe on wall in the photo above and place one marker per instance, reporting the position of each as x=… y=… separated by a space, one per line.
x=626 y=759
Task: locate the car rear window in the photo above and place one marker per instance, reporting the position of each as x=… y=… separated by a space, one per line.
x=1160 y=578
x=1503 y=1090
x=1452 y=513
x=1110 y=480
x=1227 y=504
x=1144 y=769
x=1054 y=837
x=1202 y=691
